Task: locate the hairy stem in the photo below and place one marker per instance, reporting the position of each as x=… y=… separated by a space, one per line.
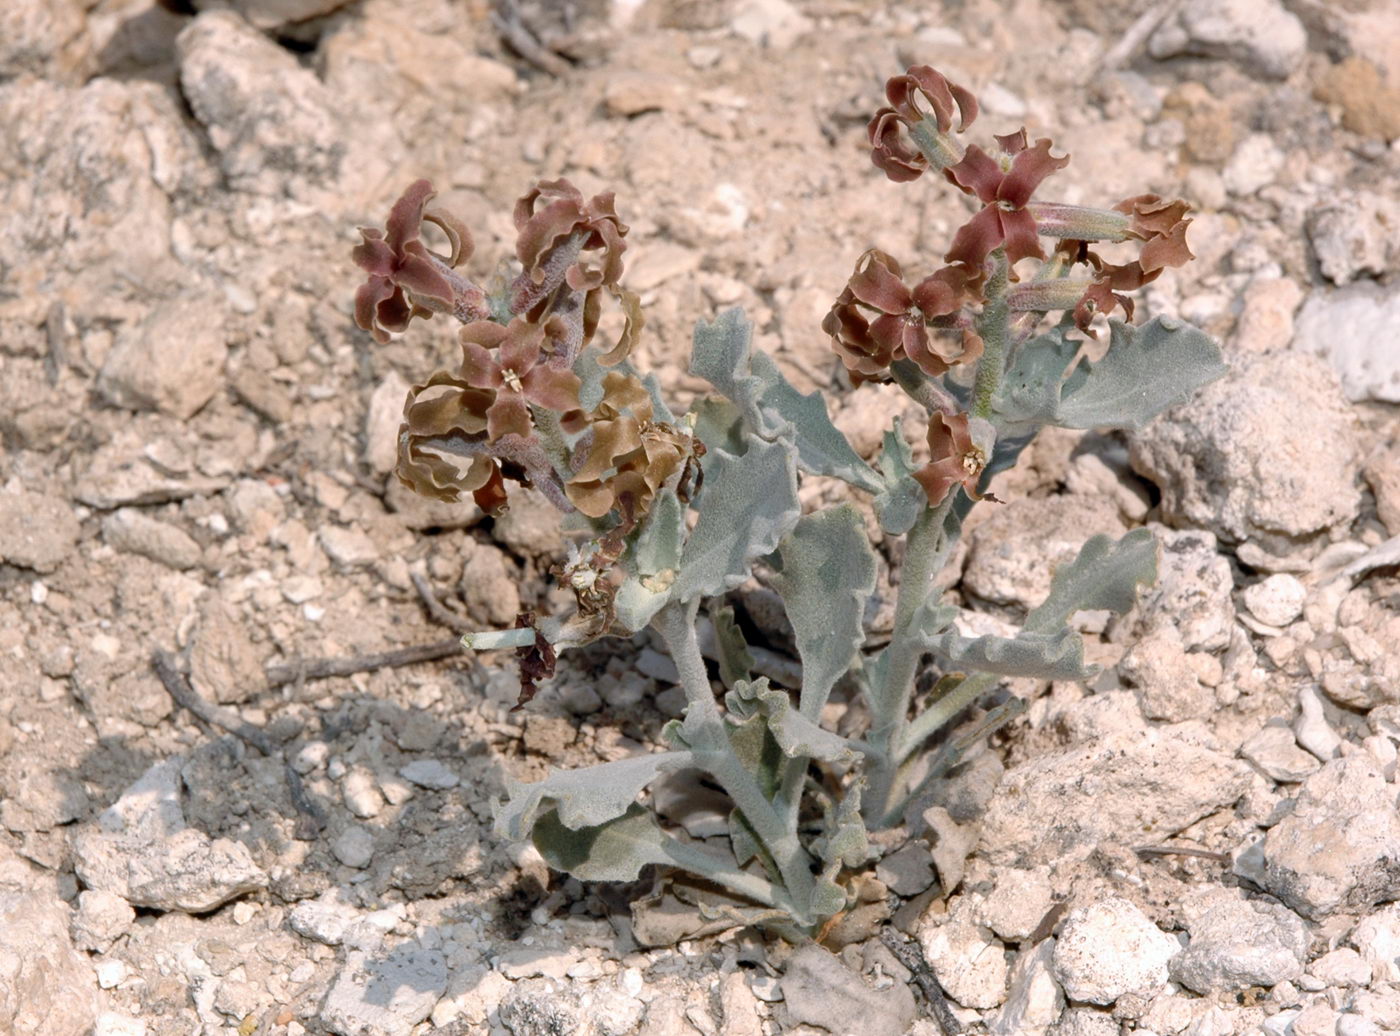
x=930 y=395
x=993 y=327
x=709 y=740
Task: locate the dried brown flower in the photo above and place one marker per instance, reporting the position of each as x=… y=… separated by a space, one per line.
x=954 y=459
x=1004 y=190
x=1161 y=226
x=891 y=149
x=507 y=361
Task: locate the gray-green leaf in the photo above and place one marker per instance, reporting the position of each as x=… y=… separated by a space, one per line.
x=747 y=504
x=1105 y=575
x=901 y=500
x=773 y=407
x=583 y=798
x=795 y=734
x=1045 y=656
x=826 y=578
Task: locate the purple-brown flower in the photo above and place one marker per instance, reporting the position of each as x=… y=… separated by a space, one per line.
x=507 y=361
x=953 y=459
x=1161 y=226
x=405 y=278
x=554 y=211
x=1004 y=188
x=899 y=328
x=891 y=149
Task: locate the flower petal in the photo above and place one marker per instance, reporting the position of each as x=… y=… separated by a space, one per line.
x=1019 y=232
x=406 y=217
x=459 y=236
x=552 y=388
x=508 y=415
x=878 y=283
x=976 y=173
x=633 y=323
x=486 y=333
x=479 y=368
x=368 y=296
x=1028 y=169
x=418 y=274
x=520 y=349
x=891 y=151
x=976 y=238
x=373 y=255
x=593 y=498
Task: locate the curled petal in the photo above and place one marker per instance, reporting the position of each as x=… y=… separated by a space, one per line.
x=406 y=217
x=1152 y=215
x=419 y=275
x=976 y=238
x=373 y=254
x=459 y=408
x=1028 y=169
x=891 y=150
x=368 y=299
x=1019 y=233
x=459 y=236
x=945 y=291
x=1098 y=298
x=976 y=173
x=890 y=334
x=633 y=323
x=941 y=95
x=878 y=283
x=508 y=416
x=1012 y=143
x=545 y=230
x=953 y=460
x=593 y=497
x=623 y=393
x=552 y=388
x=479 y=367
x=520 y=349
x=551 y=190
x=851 y=337
x=1167 y=249
x=490 y=496
x=607 y=441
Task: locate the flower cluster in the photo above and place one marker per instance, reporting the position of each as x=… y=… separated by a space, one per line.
x=511 y=409
x=878 y=320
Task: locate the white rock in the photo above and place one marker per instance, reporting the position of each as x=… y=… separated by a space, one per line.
x=45 y=985
x=1277 y=600
x=385 y=996
x=141 y=849
x=354 y=847
x=347 y=547
x=1267 y=454
x=382 y=421
x=1018 y=903
x=1119 y=789
x=1193 y=592
x=326 y=918
x=820 y=990
x=1343 y=967
x=1377 y=937
x=173 y=361
x=1354 y=330
x=1348 y=807
x=1164 y=678
x=1035 y=1000
x=1259 y=35
x=1265 y=323
x=361 y=794
x=111 y=973
x=114 y=1023
x=775 y=24
x=1352 y=235
x=271 y=14
x=1254 y=164
x=1313 y=731
x=101 y=918
x=270 y=120
x=36 y=531
x=134 y=532
x=1238 y=943
x=1275 y=751
x=429 y=773
x=1110 y=948
x=969 y=960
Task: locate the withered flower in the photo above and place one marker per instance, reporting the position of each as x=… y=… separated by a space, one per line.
x=405 y=278
x=1004 y=188
x=868 y=346
x=954 y=459
x=562 y=214
x=506 y=360
x=1161 y=226
x=891 y=149
x=626 y=457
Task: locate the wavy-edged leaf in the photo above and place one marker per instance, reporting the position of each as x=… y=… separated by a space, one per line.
x=1105 y=575
x=1146 y=370
x=1029 y=393
x=900 y=500
x=747 y=504
x=825 y=579
x=722 y=355
x=653 y=564
x=842 y=843
x=731 y=649
x=582 y=798
x=796 y=735
x=1045 y=656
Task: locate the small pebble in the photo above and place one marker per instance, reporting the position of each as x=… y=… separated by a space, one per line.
x=354 y=847
x=111 y=973
x=361 y=794
x=429 y=773
x=1313 y=731
x=1277 y=600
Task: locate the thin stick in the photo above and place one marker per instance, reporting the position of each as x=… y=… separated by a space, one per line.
x=214 y=715
x=436 y=610
x=506 y=20
x=320 y=668
x=909 y=953
x=1173 y=850
x=312 y=819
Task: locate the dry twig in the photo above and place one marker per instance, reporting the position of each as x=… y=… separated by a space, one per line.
x=911 y=955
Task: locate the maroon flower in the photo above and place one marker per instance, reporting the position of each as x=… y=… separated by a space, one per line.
x=1161 y=226
x=953 y=459
x=891 y=149
x=1004 y=190
x=562 y=214
x=405 y=278
x=868 y=346
x=507 y=361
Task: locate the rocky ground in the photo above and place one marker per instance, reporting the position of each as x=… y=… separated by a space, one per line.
x=197 y=446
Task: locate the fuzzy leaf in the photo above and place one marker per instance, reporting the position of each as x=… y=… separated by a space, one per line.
x=1046 y=656
x=747 y=504
x=582 y=798
x=901 y=500
x=1030 y=390
x=1105 y=575
x=1146 y=370
x=721 y=354
x=615 y=850
x=843 y=843
x=653 y=564
x=827 y=575
x=735 y=660
x=794 y=733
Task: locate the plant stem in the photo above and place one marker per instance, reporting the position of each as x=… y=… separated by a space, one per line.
x=930 y=395
x=705 y=731
x=992 y=326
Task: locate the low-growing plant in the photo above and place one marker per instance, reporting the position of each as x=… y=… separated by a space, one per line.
x=674 y=511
